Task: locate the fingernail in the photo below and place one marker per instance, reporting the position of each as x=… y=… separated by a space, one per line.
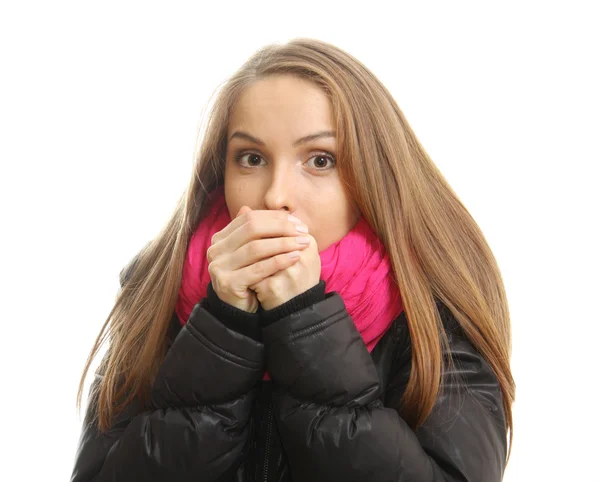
x=294 y=219
x=294 y=254
x=301 y=228
x=302 y=240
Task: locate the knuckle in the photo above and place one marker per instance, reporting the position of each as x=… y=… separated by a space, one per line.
x=223 y=282
x=251 y=216
x=213 y=270
x=239 y=292
x=279 y=262
x=287 y=243
x=258 y=268
x=271 y=284
x=253 y=249
x=251 y=226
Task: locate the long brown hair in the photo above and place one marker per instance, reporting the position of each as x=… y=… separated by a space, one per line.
x=436 y=248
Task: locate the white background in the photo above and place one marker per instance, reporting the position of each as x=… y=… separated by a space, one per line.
x=99 y=107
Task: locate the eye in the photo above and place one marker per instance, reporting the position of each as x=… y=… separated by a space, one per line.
x=252 y=158
x=321 y=161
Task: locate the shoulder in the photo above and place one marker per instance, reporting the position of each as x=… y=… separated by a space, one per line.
x=398 y=334
x=470 y=372
x=466 y=428
x=399 y=331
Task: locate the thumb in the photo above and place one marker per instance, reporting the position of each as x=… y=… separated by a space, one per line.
x=243 y=210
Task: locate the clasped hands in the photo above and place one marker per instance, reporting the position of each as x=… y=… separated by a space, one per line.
x=250 y=264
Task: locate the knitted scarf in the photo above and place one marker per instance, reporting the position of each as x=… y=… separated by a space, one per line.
x=357 y=267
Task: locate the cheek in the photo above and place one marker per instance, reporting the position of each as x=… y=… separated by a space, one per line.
x=234 y=205
x=232 y=198
x=332 y=220
x=241 y=191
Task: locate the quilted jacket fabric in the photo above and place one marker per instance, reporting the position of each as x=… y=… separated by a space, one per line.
x=327 y=414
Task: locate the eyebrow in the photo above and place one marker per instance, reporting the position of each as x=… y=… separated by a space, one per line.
x=302 y=140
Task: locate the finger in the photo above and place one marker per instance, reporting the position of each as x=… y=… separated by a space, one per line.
x=259 y=249
x=232 y=226
x=243 y=210
x=254 y=225
x=263 y=225
x=251 y=275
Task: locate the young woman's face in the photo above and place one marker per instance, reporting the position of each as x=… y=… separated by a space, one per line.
x=270 y=166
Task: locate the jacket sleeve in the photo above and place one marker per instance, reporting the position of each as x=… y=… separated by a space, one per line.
x=198 y=422
x=335 y=422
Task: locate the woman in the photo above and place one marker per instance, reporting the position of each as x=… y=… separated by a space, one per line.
x=320 y=306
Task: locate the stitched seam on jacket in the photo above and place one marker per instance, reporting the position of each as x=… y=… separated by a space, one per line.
x=316 y=329
x=220 y=352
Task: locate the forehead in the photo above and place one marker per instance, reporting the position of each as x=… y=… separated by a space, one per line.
x=279 y=102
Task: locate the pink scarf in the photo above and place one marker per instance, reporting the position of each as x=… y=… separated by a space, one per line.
x=357 y=267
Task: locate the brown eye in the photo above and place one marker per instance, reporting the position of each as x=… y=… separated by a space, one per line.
x=253 y=159
x=320 y=162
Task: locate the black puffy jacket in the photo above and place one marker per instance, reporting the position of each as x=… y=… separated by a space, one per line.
x=327 y=414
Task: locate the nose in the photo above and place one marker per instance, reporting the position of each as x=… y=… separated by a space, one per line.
x=281 y=193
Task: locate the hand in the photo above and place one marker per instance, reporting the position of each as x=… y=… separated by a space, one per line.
x=238 y=256
x=287 y=283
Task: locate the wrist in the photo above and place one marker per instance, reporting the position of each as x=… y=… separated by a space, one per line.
x=299 y=302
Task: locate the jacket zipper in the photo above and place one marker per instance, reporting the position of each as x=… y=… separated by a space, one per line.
x=268 y=443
